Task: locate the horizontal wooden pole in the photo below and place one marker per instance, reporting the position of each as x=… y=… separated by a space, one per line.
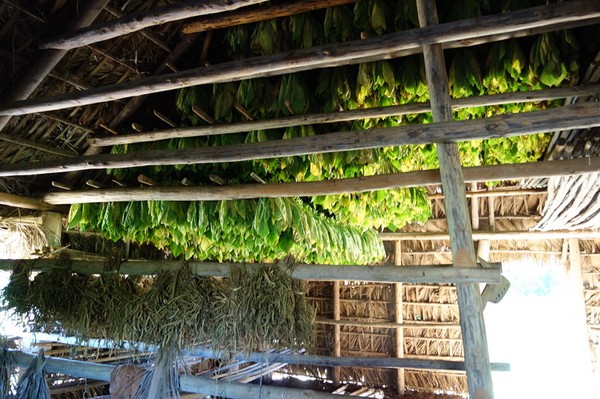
x=18 y=201
x=135 y=22
x=383 y=324
x=496 y=193
x=382 y=274
x=188 y=383
x=344 y=361
x=344 y=116
x=353 y=52
x=575 y=116
x=497 y=235
x=255 y=14
x=326 y=187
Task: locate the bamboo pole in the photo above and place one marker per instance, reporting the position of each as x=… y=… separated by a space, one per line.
x=327 y=187
x=344 y=116
x=498 y=235
x=251 y=15
x=353 y=52
x=583 y=115
x=477 y=362
x=382 y=274
x=138 y=21
x=384 y=324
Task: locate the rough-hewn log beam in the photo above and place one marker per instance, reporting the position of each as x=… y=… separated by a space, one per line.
x=498 y=235
x=344 y=116
x=327 y=187
x=383 y=47
x=583 y=115
x=188 y=383
x=135 y=22
x=18 y=201
x=382 y=274
x=477 y=362
x=257 y=14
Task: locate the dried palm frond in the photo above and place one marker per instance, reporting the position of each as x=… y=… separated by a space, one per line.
x=33 y=384
x=7 y=367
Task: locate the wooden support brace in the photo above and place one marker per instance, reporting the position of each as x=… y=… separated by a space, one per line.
x=477 y=363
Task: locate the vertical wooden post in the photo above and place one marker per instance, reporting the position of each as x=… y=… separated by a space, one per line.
x=492 y=213
x=477 y=363
x=580 y=330
x=474 y=207
x=337 y=345
x=398 y=318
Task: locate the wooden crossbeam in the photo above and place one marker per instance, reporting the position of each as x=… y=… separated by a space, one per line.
x=583 y=115
x=344 y=116
x=353 y=52
x=497 y=235
x=382 y=274
x=477 y=362
x=138 y=21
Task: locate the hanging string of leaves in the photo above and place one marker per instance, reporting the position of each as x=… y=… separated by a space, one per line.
x=240 y=231
x=254 y=307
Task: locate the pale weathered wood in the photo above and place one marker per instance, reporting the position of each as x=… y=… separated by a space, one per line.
x=254 y=14
x=384 y=324
x=327 y=187
x=337 y=336
x=399 y=320
x=353 y=52
x=18 y=201
x=188 y=383
x=138 y=21
x=383 y=274
x=47 y=60
x=341 y=116
x=477 y=362
x=583 y=115
x=498 y=235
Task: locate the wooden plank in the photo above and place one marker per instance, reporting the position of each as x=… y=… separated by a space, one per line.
x=257 y=14
x=477 y=362
x=383 y=274
x=343 y=116
x=353 y=52
x=327 y=187
x=576 y=116
x=497 y=235
x=141 y=20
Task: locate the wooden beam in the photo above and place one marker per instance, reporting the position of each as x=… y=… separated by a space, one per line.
x=343 y=116
x=188 y=383
x=498 y=235
x=327 y=187
x=580 y=116
x=47 y=60
x=383 y=274
x=138 y=21
x=399 y=320
x=257 y=14
x=337 y=336
x=18 y=201
x=353 y=52
x=477 y=362
x=384 y=324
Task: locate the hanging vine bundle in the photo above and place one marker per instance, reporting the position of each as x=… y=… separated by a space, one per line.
x=253 y=308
